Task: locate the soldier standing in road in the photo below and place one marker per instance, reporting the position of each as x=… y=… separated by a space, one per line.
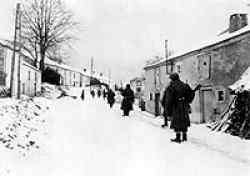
x=111 y=97
x=92 y=92
x=128 y=100
x=178 y=97
x=99 y=93
x=82 y=94
x=104 y=94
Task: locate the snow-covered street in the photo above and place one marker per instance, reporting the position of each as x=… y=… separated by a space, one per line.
x=87 y=138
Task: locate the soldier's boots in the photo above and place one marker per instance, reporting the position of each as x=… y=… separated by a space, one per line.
x=184 y=136
x=177 y=138
x=164 y=125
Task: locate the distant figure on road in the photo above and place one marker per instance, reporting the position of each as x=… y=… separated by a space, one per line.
x=104 y=94
x=128 y=100
x=111 y=97
x=82 y=94
x=92 y=92
x=99 y=93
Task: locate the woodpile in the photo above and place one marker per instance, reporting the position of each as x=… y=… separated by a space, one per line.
x=235 y=120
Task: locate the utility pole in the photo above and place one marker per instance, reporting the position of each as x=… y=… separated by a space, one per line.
x=91 y=70
x=12 y=82
x=19 y=56
x=109 y=78
x=166 y=49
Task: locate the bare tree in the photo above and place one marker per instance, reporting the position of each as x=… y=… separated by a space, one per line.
x=46 y=26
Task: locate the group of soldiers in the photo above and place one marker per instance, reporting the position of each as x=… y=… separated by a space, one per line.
x=176 y=104
x=109 y=94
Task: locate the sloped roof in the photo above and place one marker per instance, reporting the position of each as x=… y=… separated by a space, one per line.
x=243 y=81
x=205 y=44
x=68 y=67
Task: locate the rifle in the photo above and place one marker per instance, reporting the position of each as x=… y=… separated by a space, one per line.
x=197 y=87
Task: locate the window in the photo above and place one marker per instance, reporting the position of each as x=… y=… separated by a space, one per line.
x=2 y=67
x=29 y=75
x=204 y=66
x=178 y=68
x=221 y=95
x=23 y=88
x=169 y=67
x=138 y=89
x=150 y=96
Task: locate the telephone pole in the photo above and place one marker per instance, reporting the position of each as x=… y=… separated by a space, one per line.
x=109 y=78
x=19 y=56
x=91 y=70
x=17 y=28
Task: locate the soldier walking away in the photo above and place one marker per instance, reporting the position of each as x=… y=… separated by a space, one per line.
x=104 y=94
x=128 y=100
x=178 y=97
x=82 y=94
x=92 y=92
x=111 y=97
x=99 y=93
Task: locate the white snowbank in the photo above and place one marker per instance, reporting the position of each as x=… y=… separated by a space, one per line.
x=200 y=135
x=21 y=121
x=50 y=91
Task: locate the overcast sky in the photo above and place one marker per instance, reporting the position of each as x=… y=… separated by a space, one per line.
x=122 y=34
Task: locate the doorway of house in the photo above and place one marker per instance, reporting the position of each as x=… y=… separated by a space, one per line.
x=206 y=105
x=157 y=104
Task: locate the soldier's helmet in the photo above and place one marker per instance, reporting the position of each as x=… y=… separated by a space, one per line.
x=174 y=76
x=128 y=86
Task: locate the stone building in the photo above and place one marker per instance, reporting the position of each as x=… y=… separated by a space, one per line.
x=30 y=76
x=215 y=65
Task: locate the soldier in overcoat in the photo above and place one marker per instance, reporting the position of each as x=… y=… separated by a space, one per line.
x=111 y=97
x=128 y=100
x=177 y=107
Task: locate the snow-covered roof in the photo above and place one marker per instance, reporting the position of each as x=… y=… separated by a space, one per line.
x=66 y=67
x=86 y=73
x=205 y=44
x=243 y=81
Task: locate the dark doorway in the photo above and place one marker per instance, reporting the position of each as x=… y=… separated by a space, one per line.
x=157 y=104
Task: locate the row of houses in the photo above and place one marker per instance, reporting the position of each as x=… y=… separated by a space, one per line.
x=74 y=77
x=31 y=77
x=215 y=65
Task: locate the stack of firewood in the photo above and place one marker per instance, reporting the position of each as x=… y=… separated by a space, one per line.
x=235 y=120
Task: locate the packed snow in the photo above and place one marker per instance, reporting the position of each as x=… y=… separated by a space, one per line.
x=88 y=138
x=21 y=121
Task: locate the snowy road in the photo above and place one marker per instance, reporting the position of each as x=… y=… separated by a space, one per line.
x=88 y=139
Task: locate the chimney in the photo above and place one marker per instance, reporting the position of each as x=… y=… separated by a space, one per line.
x=166 y=49
x=237 y=21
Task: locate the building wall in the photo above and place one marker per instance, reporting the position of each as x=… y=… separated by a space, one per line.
x=30 y=80
x=156 y=82
x=70 y=77
x=6 y=69
x=215 y=68
x=30 y=77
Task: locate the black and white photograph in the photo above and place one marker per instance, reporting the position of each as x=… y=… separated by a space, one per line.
x=125 y=88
